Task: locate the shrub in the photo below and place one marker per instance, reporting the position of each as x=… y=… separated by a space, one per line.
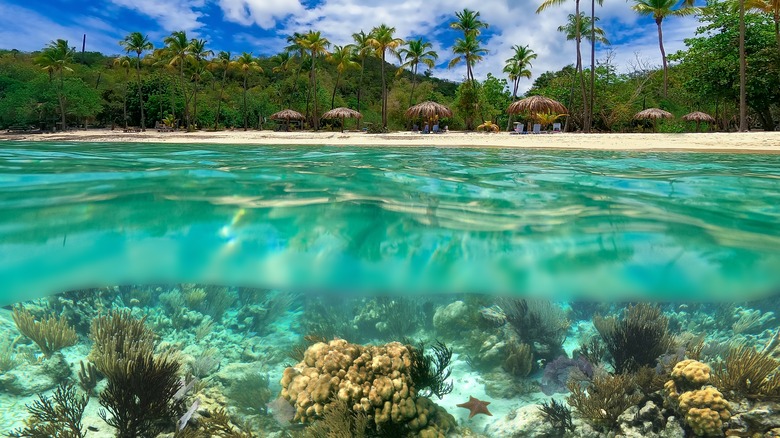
x=51 y=334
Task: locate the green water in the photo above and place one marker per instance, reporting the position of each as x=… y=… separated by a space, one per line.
x=560 y=224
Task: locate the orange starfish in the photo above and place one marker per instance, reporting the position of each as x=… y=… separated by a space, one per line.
x=476 y=406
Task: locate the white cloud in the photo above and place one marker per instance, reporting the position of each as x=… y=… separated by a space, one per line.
x=171 y=15
x=27 y=30
x=264 y=13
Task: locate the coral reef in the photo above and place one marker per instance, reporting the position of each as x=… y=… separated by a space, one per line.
x=558 y=373
x=703 y=407
x=429 y=373
x=519 y=361
x=372 y=380
x=601 y=401
x=558 y=415
x=540 y=324
x=747 y=372
x=50 y=334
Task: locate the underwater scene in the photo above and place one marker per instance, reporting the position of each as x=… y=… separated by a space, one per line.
x=242 y=291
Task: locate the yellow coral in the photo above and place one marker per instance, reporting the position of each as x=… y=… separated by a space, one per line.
x=691 y=371
x=705 y=410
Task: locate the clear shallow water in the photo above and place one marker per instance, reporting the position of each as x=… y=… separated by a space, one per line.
x=561 y=224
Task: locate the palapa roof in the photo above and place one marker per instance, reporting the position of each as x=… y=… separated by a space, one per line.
x=653 y=113
x=341 y=113
x=537 y=104
x=698 y=116
x=287 y=114
x=428 y=110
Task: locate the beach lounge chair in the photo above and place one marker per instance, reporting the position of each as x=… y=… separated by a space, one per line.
x=538 y=129
x=436 y=128
x=425 y=129
x=556 y=128
x=518 y=129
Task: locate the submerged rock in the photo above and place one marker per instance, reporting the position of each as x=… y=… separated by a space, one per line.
x=35 y=378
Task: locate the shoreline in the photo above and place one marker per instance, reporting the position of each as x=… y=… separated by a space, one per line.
x=752 y=142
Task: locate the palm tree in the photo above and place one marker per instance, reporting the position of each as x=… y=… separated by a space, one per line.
x=124 y=63
x=467 y=50
x=517 y=67
x=661 y=9
x=317 y=45
x=223 y=61
x=743 y=126
x=342 y=58
x=578 y=69
x=570 y=29
x=415 y=53
x=383 y=41
x=176 y=47
x=197 y=53
x=247 y=64
x=55 y=59
x=138 y=43
x=468 y=22
x=362 y=49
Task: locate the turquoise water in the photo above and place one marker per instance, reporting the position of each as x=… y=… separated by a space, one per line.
x=560 y=224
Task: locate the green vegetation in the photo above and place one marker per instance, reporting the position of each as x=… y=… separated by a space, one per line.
x=184 y=84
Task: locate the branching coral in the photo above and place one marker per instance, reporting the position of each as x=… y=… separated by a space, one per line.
x=59 y=416
x=748 y=373
x=338 y=421
x=602 y=401
x=51 y=334
x=558 y=415
x=637 y=339
x=538 y=323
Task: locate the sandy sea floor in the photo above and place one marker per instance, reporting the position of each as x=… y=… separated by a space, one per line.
x=762 y=142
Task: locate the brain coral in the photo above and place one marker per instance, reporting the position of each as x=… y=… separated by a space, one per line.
x=705 y=410
x=371 y=379
x=691 y=371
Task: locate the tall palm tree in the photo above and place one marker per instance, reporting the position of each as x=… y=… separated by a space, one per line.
x=55 y=58
x=661 y=9
x=546 y=4
x=197 y=53
x=317 y=45
x=362 y=50
x=138 y=43
x=383 y=41
x=743 y=126
x=415 y=53
x=246 y=64
x=467 y=50
x=468 y=22
x=123 y=62
x=295 y=47
x=223 y=61
x=176 y=47
x=518 y=67
x=343 y=58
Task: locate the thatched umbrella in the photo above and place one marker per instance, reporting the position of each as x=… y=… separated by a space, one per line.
x=653 y=114
x=536 y=104
x=342 y=113
x=287 y=114
x=428 y=111
x=698 y=117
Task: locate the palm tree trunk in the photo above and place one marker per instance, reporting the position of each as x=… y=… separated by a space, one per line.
x=742 y=70
x=61 y=98
x=414 y=82
x=195 y=103
x=140 y=93
x=184 y=94
x=384 y=93
x=579 y=66
x=314 y=94
x=592 y=61
x=124 y=104
x=514 y=98
x=663 y=52
x=360 y=86
x=219 y=102
x=246 y=123
x=336 y=86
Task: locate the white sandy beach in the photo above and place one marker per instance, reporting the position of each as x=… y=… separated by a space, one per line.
x=762 y=142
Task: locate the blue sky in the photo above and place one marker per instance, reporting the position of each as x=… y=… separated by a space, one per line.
x=260 y=26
